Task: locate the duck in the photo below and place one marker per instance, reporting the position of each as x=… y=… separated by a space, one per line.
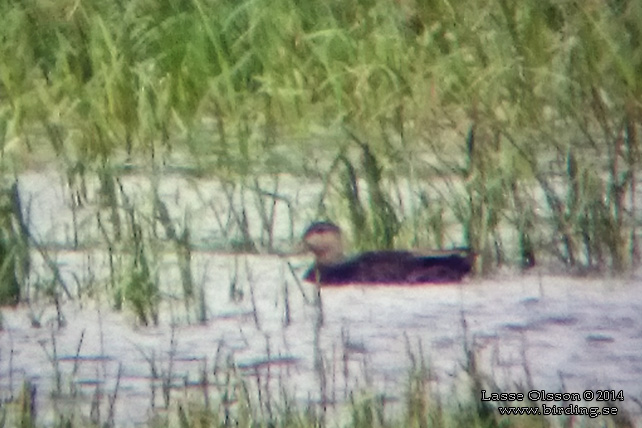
x=390 y=267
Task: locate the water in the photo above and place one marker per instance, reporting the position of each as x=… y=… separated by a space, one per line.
x=544 y=332
x=553 y=333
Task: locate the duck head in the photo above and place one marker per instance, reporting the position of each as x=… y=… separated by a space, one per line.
x=325 y=241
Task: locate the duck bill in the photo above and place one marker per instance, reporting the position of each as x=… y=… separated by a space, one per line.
x=300 y=249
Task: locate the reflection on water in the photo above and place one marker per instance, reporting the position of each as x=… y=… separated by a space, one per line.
x=550 y=333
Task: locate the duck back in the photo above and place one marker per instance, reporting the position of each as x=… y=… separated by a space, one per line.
x=394 y=267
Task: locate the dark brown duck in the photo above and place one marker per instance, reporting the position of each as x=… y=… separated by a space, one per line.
x=379 y=267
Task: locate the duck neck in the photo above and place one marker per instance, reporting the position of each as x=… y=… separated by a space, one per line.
x=329 y=256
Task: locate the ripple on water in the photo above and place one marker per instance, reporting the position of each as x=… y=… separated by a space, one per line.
x=561 y=330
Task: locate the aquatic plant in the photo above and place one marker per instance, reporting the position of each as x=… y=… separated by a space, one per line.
x=14 y=246
x=108 y=83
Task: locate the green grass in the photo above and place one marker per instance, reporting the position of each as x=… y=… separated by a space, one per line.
x=236 y=402
x=513 y=128
x=533 y=108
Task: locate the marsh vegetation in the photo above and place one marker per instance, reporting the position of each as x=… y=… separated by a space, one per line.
x=511 y=128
